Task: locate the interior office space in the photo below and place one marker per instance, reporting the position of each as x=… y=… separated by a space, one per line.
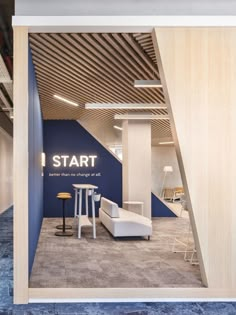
x=109 y=137
x=120 y=159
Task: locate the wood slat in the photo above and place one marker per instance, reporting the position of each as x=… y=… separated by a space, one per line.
x=96 y=68
x=140 y=53
x=130 y=61
x=85 y=84
x=72 y=83
x=146 y=42
x=128 y=71
x=93 y=66
x=98 y=60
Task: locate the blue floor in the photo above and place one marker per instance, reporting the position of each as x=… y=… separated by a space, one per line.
x=6 y=293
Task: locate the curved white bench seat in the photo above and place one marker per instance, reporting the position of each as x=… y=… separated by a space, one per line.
x=121 y=222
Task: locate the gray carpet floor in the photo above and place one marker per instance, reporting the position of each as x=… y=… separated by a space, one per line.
x=109 y=262
x=6 y=293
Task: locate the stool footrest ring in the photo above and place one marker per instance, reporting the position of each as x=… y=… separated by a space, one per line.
x=61 y=233
x=67 y=227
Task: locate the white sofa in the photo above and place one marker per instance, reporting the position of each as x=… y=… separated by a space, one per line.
x=120 y=222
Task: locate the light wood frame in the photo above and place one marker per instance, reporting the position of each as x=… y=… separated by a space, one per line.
x=22 y=292
x=179 y=153
x=197 y=71
x=20 y=165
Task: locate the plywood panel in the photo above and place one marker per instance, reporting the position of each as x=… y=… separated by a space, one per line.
x=20 y=164
x=73 y=295
x=197 y=68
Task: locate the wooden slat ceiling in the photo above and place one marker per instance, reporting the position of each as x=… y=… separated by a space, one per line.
x=96 y=68
x=145 y=41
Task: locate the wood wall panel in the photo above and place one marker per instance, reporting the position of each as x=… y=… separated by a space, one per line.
x=197 y=68
x=20 y=165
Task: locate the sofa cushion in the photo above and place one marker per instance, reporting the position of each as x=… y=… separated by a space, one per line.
x=128 y=224
x=111 y=208
x=126 y=215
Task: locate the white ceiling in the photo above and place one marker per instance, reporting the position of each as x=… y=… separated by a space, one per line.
x=124 y=8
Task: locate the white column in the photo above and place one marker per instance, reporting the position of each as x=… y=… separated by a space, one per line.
x=136 y=145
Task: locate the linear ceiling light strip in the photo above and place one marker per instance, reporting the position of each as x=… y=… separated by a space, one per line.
x=141 y=117
x=124 y=106
x=147 y=84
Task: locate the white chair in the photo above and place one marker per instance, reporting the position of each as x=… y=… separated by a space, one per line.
x=184 y=243
x=183 y=203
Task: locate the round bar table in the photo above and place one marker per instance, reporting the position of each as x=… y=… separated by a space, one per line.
x=83 y=220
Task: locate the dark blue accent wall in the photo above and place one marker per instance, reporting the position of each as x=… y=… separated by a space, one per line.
x=35 y=170
x=68 y=137
x=159 y=209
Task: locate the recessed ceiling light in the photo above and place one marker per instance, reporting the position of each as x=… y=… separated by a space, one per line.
x=118 y=128
x=125 y=106
x=147 y=83
x=65 y=100
x=166 y=142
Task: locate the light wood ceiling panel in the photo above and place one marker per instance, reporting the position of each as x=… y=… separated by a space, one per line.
x=145 y=41
x=96 y=68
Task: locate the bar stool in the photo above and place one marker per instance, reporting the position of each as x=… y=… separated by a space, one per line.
x=60 y=226
x=63 y=196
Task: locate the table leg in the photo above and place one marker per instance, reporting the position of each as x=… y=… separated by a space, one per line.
x=80 y=212
x=76 y=203
x=93 y=214
x=63 y=214
x=86 y=201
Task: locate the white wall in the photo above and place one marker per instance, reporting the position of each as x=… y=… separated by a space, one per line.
x=162 y=156
x=6 y=155
x=107 y=135
x=128 y=7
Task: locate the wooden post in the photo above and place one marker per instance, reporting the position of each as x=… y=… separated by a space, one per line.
x=20 y=165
